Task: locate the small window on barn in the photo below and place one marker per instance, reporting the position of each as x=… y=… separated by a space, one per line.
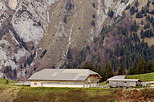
x=35 y=83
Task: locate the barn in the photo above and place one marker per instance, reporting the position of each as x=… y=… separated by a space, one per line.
x=120 y=81
x=80 y=78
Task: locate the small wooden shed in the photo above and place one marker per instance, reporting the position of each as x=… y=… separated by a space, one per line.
x=120 y=81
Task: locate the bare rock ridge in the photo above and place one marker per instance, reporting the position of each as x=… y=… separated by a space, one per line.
x=36 y=34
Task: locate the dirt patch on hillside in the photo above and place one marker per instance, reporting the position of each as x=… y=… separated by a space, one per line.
x=8 y=94
x=1 y=90
x=135 y=95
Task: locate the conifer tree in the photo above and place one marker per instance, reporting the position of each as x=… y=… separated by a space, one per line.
x=132 y=70
x=137 y=3
x=121 y=70
x=150 y=67
x=101 y=71
x=108 y=71
x=141 y=66
x=69 y=54
x=89 y=65
x=111 y=13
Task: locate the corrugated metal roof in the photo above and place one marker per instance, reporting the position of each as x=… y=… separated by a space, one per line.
x=130 y=80
x=118 y=77
x=62 y=74
x=122 y=78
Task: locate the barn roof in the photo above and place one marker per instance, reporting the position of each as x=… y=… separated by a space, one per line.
x=118 y=77
x=122 y=78
x=63 y=74
x=125 y=80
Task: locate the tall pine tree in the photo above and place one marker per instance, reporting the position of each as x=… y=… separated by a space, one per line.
x=132 y=70
x=150 y=67
x=141 y=67
x=108 y=71
x=121 y=70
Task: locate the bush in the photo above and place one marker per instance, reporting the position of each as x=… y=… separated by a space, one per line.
x=43 y=53
x=69 y=5
x=110 y=13
x=134 y=27
x=146 y=26
x=94 y=5
x=94 y=16
x=147 y=33
x=65 y=19
x=93 y=23
x=151 y=12
x=139 y=15
x=136 y=3
x=132 y=10
x=128 y=7
x=6 y=81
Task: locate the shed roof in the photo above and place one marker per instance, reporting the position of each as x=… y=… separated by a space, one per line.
x=122 y=78
x=126 y=80
x=118 y=77
x=63 y=74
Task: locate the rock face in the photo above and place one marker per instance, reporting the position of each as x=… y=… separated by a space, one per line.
x=36 y=34
x=12 y=4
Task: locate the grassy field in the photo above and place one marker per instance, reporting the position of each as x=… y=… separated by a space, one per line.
x=143 y=77
x=28 y=94
x=14 y=93
x=64 y=95
x=3 y=81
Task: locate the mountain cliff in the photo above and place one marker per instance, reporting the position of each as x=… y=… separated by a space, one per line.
x=36 y=34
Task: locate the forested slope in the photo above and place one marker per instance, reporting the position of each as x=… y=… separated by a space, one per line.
x=127 y=42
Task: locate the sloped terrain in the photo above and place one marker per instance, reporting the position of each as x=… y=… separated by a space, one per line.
x=126 y=41
x=28 y=94
x=36 y=34
x=143 y=77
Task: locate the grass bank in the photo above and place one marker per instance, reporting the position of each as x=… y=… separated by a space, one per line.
x=143 y=77
x=28 y=94
x=13 y=93
x=3 y=81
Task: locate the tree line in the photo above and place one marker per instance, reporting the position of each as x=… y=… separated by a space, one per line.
x=139 y=67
